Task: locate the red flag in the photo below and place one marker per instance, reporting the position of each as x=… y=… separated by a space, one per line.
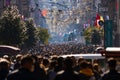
x=96 y=21
x=97 y=16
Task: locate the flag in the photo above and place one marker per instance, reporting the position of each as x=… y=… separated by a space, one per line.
x=98 y=18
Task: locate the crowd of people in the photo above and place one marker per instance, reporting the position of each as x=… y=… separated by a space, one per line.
x=65 y=48
x=37 y=67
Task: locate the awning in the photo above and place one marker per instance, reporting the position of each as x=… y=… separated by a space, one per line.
x=11 y=50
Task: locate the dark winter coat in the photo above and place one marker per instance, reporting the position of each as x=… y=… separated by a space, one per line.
x=112 y=75
x=20 y=74
x=67 y=75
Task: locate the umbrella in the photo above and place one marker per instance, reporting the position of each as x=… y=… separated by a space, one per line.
x=6 y=49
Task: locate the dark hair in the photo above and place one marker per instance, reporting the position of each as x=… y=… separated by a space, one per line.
x=60 y=60
x=68 y=62
x=4 y=63
x=26 y=59
x=35 y=58
x=96 y=66
x=45 y=62
x=84 y=64
x=80 y=60
x=53 y=64
x=112 y=62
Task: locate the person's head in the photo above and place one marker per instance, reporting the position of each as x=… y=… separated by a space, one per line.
x=35 y=58
x=67 y=63
x=96 y=67
x=27 y=62
x=45 y=62
x=112 y=63
x=90 y=65
x=80 y=60
x=4 y=64
x=60 y=60
x=4 y=68
x=52 y=64
x=18 y=57
x=7 y=57
x=84 y=65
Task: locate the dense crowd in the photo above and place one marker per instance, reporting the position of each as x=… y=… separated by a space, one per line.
x=65 y=48
x=36 y=67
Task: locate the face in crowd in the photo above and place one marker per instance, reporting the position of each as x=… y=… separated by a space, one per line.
x=27 y=62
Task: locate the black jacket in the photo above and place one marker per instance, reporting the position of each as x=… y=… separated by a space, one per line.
x=83 y=77
x=112 y=75
x=20 y=74
x=3 y=74
x=67 y=75
x=39 y=73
